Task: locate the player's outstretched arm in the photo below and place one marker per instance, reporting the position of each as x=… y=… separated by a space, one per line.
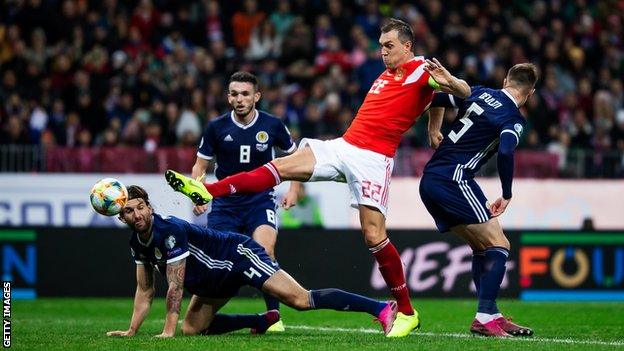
x=447 y=82
x=143 y=298
x=175 y=279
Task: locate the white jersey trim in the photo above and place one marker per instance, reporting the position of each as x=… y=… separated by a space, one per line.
x=245 y=126
x=291 y=149
x=512 y=132
x=510 y=96
x=452 y=98
x=418 y=72
x=148 y=242
x=205 y=157
x=139 y=262
x=178 y=258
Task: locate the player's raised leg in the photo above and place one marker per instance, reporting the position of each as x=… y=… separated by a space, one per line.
x=298 y=166
x=290 y=292
x=202 y=318
x=391 y=268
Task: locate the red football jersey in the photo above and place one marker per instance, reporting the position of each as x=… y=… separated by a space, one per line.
x=391 y=107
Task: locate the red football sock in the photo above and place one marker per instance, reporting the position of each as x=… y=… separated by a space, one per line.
x=260 y=179
x=391 y=269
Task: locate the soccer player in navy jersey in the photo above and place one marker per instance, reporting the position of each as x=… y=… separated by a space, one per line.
x=242 y=140
x=489 y=121
x=212 y=265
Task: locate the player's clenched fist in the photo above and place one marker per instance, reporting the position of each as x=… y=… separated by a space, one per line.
x=290 y=199
x=199 y=209
x=435 y=138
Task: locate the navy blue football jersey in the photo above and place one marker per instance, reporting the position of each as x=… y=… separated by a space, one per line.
x=241 y=148
x=210 y=255
x=474 y=135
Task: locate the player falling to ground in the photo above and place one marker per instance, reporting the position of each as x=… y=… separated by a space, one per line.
x=242 y=140
x=489 y=120
x=362 y=157
x=212 y=265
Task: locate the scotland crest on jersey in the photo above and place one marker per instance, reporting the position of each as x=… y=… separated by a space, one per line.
x=262 y=138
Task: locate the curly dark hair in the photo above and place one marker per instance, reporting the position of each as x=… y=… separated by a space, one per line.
x=136 y=192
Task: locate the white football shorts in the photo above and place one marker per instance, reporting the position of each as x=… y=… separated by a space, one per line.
x=366 y=172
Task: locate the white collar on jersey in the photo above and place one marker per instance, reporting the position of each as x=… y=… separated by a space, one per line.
x=148 y=242
x=415 y=58
x=510 y=96
x=245 y=126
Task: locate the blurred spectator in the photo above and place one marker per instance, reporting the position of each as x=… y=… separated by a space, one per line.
x=145 y=19
x=333 y=54
x=214 y=27
x=152 y=73
x=370 y=19
x=264 y=42
x=14 y=132
x=282 y=18
x=244 y=21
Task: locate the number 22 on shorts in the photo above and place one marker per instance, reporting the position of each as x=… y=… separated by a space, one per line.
x=371 y=190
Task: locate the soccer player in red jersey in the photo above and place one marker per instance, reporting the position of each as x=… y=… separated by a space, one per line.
x=363 y=157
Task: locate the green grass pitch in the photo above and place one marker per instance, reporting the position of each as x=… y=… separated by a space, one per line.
x=81 y=324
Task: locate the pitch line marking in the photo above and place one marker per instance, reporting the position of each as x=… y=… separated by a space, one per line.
x=461 y=336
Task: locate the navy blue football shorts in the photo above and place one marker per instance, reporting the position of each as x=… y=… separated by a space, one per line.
x=243 y=219
x=247 y=264
x=452 y=202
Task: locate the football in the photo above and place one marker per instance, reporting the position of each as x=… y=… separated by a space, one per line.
x=108 y=196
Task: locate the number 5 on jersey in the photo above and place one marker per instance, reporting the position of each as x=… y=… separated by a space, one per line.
x=466 y=121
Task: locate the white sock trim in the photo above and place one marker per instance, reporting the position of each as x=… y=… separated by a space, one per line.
x=484 y=317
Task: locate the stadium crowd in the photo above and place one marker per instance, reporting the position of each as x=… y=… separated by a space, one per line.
x=151 y=73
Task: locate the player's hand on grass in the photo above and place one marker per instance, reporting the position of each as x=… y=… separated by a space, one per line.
x=435 y=138
x=120 y=333
x=197 y=210
x=290 y=199
x=499 y=206
x=164 y=335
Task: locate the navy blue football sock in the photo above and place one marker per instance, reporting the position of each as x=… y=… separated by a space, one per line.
x=272 y=303
x=478 y=258
x=339 y=300
x=491 y=279
x=225 y=323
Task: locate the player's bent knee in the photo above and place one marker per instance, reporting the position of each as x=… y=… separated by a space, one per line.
x=498 y=241
x=298 y=301
x=298 y=166
x=373 y=236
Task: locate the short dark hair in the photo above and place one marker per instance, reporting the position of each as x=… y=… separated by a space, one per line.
x=136 y=192
x=245 y=77
x=523 y=75
x=403 y=29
